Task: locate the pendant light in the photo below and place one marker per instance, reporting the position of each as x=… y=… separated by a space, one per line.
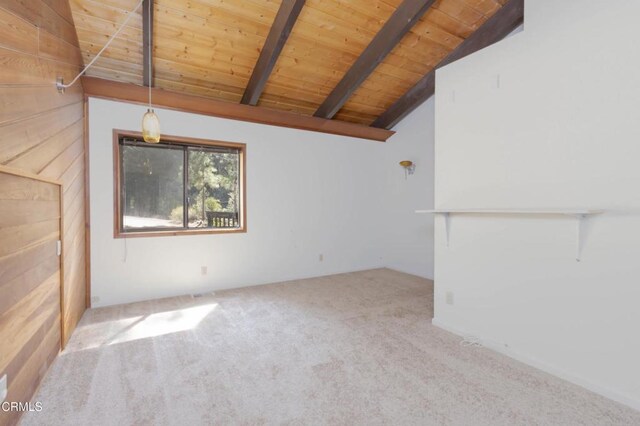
x=150 y=121
x=150 y=127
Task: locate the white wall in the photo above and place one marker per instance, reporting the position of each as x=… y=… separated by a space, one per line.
x=307 y=194
x=562 y=129
x=410 y=236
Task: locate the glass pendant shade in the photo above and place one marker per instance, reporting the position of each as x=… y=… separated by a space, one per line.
x=150 y=127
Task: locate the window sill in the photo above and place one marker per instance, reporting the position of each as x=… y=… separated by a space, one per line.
x=177 y=233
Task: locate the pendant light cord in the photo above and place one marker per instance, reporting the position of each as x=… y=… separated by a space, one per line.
x=149 y=53
x=124 y=23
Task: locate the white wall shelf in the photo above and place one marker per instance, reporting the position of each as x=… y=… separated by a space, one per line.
x=570 y=212
x=580 y=214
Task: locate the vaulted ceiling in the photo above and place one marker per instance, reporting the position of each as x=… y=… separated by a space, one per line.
x=348 y=60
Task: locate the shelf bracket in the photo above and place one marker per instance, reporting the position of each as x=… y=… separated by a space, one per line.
x=580 y=231
x=447 y=226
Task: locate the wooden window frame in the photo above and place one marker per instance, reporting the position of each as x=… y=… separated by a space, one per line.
x=118 y=232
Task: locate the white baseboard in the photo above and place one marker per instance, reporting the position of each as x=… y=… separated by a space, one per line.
x=547 y=368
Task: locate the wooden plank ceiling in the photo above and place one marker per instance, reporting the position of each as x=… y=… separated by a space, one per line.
x=210 y=48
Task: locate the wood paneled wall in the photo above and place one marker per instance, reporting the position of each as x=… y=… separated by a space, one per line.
x=30 y=277
x=42 y=131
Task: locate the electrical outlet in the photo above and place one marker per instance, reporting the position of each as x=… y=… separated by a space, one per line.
x=3 y=388
x=321 y=257
x=449 y=297
x=95 y=300
x=203 y=270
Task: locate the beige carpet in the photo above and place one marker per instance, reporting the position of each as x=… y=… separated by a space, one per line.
x=351 y=349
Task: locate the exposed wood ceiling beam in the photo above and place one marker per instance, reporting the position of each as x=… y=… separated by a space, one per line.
x=126 y=92
x=278 y=35
x=500 y=25
x=405 y=16
x=147 y=42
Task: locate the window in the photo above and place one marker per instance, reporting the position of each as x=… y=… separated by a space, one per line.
x=179 y=186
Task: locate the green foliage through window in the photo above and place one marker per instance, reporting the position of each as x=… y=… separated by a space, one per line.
x=154 y=190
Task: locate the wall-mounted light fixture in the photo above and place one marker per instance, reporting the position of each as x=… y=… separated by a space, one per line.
x=408 y=166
